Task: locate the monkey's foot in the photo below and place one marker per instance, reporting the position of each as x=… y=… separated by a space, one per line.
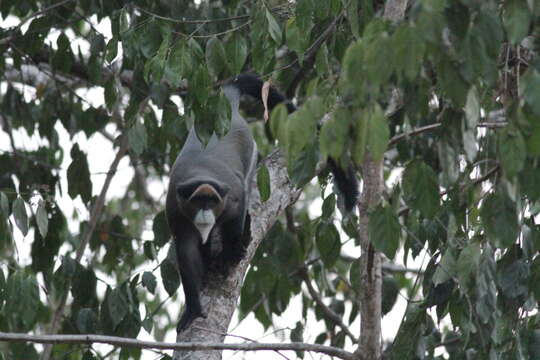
x=187 y=318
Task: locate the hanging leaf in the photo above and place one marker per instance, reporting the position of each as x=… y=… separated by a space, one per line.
x=421 y=188
x=378 y=133
x=517 y=19
x=21 y=218
x=78 y=175
x=169 y=276
x=263 y=182
x=273 y=27
x=328 y=243
x=499 y=217
x=161 y=229
x=512 y=151
x=384 y=230
x=215 y=56
x=42 y=219
x=149 y=281
x=137 y=138
x=237 y=51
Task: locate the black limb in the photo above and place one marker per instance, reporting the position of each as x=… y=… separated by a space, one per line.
x=192 y=271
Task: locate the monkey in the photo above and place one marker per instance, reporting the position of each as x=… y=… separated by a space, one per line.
x=207 y=200
x=208 y=195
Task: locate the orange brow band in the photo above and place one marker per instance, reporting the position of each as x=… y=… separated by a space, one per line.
x=207 y=190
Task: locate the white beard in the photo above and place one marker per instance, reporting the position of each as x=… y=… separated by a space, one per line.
x=204 y=222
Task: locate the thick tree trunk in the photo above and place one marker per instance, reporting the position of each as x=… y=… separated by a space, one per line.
x=370 y=269
x=219 y=297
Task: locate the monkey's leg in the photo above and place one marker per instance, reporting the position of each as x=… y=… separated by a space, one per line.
x=191 y=265
x=236 y=237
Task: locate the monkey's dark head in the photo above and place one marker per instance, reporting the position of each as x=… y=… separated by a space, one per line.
x=202 y=202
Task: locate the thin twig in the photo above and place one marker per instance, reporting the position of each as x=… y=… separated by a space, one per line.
x=423 y=129
x=329 y=313
x=31 y=16
x=94 y=216
x=129 y=342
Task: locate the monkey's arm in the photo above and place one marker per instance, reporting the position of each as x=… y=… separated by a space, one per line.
x=192 y=271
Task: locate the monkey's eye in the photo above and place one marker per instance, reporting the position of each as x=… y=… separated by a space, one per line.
x=204 y=201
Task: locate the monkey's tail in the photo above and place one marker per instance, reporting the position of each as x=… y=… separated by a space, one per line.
x=346 y=182
x=345 y=179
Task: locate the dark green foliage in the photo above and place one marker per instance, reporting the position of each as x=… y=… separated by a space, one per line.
x=448 y=100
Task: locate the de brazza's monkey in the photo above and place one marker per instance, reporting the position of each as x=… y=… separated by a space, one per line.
x=207 y=202
x=209 y=191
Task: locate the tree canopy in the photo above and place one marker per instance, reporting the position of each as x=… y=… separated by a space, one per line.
x=437 y=108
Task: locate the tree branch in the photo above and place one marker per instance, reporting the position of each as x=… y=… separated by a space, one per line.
x=128 y=342
x=370 y=296
x=423 y=129
x=220 y=295
x=329 y=314
x=95 y=214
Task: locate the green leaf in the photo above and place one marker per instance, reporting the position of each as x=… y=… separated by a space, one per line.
x=278 y=120
x=237 y=51
x=169 y=276
x=42 y=219
x=420 y=188
x=117 y=305
x=21 y=218
x=472 y=108
x=334 y=133
x=360 y=140
x=149 y=281
x=149 y=250
x=446 y=269
x=500 y=220
x=149 y=39
x=179 y=63
x=263 y=182
x=112 y=50
x=78 y=175
x=87 y=321
x=137 y=138
x=4 y=205
x=409 y=335
x=22 y=301
x=304 y=166
x=530 y=89
x=467 y=263
x=328 y=243
x=352 y=17
x=301 y=126
x=512 y=151
x=304 y=17
x=328 y=207
x=273 y=27
x=110 y=94
x=513 y=279
x=322 y=62
x=84 y=285
x=161 y=229
x=409 y=48
x=384 y=230
x=378 y=133
x=215 y=56
x=390 y=292
x=516 y=19
x=296 y=41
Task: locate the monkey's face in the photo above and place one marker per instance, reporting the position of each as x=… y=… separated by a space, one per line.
x=203 y=204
